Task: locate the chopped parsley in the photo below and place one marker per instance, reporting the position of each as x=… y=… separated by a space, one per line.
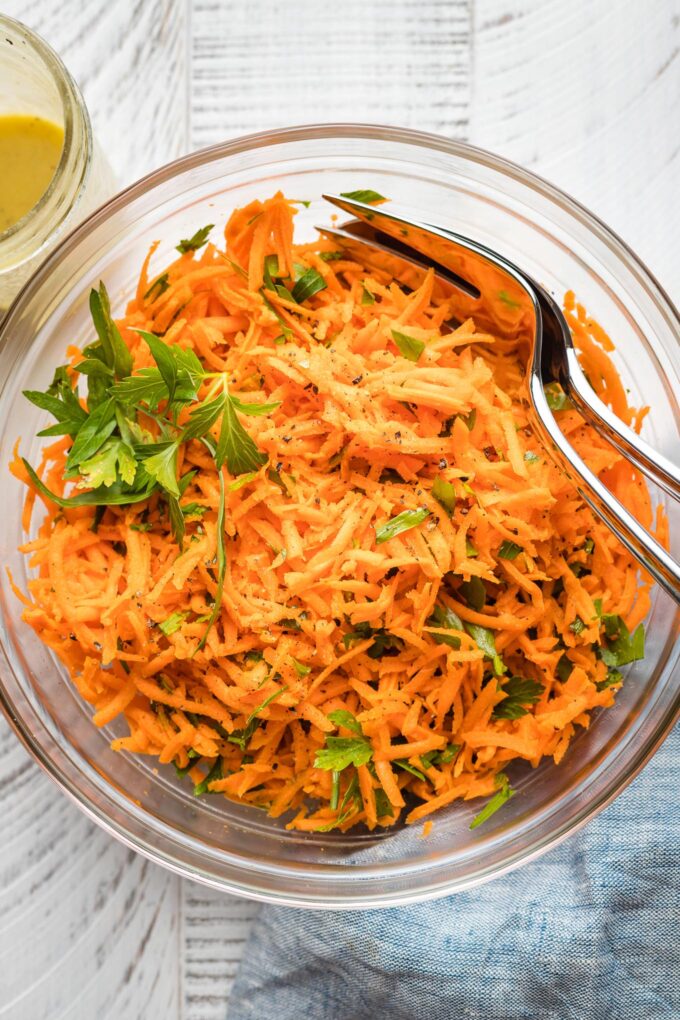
x=404 y=521
x=408 y=346
x=505 y=793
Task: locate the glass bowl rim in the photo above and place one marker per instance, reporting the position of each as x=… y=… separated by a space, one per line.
x=540 y=843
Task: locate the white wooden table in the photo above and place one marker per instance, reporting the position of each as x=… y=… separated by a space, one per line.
x=585 y=93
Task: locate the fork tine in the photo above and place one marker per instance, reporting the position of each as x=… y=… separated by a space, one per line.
x=421 y=246
x=490 y=290
x=407 y=265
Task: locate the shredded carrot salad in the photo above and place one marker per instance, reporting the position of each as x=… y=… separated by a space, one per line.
x=327 y=570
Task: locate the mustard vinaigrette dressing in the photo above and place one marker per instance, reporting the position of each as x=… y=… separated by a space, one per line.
x=30 y=150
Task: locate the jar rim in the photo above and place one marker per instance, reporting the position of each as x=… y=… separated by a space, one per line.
x=75 y=114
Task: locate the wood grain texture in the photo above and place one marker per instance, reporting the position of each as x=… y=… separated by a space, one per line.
x=257 y=66
x=131 y=61
x=584 y=93
x=87 y=928
x=214 y=930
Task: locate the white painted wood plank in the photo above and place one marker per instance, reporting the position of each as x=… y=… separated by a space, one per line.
x=266 y=65
x=214 y=930
x=586 y=93
x=87 y=928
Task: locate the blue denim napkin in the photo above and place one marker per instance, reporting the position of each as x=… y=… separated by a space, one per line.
x=591 y=930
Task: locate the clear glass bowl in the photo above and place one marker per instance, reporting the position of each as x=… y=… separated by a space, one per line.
x=240 y=849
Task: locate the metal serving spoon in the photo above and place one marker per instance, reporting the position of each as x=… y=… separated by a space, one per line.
x=472 y=275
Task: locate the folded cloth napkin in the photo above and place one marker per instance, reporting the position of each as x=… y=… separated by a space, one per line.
x=591 y=931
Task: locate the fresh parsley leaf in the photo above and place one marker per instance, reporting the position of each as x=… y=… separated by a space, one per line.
x=177 y=522
x=163 y=356
x=196 y=241
x=445 y=494
x=407 y=767
x=408 y=346
x=474 y=592
x=531 y=458
x=116 y=495
x=341 y=717
x=286 y=331
x=173 y=623
x=270 y=273
x=577 y=625
x=193 y=509
x=383 y=807
x=203 y=417
x=62 y=405
x=99 y=375
x=621 y=646
x=144 y=387
x=115 y=461
x=384 y=643
x=352 y=793
x=442 y=616
x=235 y=446
x=564 y=668
x=556 y=397
x=92 y=434
x=254 y=409
x=521 y=693
x=162 y=467
x=336 y=822
x=331 y=256
x=242 y=480
x=194 y=758
x=310 y=283
x=365 y=195
x=116 y=354
x=486 y=642
x=589 y=546
x=444 y=757
x=91 y=366
x=274 y=476
x=505 y=793
x=242 y=737
x=213 y=775
x=300 y=668
x=340 y=752
x=366 y=297
x=469 y=419
x=221 y=561
x=158 y=287
x=470 y=550
x=509 y=550
x=613 y=679
x=335 y=791
x=404 y=521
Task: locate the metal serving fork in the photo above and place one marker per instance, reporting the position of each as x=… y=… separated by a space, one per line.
x=383 y=237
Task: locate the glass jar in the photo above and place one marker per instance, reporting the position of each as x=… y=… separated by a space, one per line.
x=34 y=81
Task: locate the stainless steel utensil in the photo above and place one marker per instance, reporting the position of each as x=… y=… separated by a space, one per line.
x=473 y=274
